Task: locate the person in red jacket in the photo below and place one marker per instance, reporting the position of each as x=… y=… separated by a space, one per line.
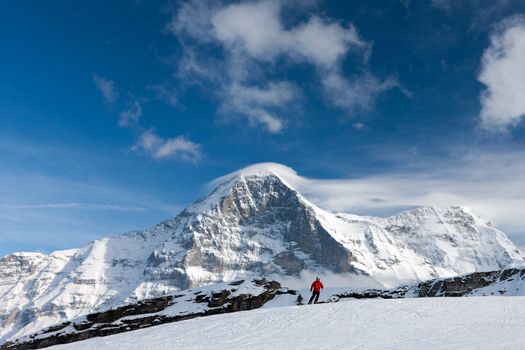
x=315 y=288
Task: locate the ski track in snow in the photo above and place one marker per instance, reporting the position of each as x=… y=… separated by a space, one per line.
x=427 y=323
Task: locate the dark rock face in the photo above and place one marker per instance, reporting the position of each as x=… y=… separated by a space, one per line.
x=463 y=285
x=257 y=204
x=259 y=225
x=459 y=286
x=149 y=313
x=396 y=293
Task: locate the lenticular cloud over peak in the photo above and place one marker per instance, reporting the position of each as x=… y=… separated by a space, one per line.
x=263 y=169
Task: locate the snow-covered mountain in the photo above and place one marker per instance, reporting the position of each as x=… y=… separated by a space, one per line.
x=253 y=224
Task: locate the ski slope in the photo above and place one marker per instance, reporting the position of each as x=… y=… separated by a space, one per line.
x=426 y=323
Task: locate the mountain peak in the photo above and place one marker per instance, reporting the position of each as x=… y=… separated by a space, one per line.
x=286 y=174
x=248 y=182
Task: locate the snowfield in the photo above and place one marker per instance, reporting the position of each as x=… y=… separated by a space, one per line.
x=426 y=323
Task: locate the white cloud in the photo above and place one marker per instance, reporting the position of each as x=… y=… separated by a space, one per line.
x=325 y=42
x=193 y=19
x=257 y=28
x=151 y=144
x=130 y=116
x=106 y=88
x=358 y=94
x=359 y=126
x=193 y=68
x=253 y=26
x=254 y=38
x=160 y=148
x=255 y=102
x=503 y=73
x=165 y=93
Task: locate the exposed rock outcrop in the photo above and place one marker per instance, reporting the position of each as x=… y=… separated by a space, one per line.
x=502 y=282
x=218 y=299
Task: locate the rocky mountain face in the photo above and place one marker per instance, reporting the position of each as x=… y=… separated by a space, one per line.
x=252 y=225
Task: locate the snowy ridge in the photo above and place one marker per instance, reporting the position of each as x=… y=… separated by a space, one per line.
x=254 y=224
x=442 y=241
x=208 y=300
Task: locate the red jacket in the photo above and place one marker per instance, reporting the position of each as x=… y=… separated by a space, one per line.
x=316 y=286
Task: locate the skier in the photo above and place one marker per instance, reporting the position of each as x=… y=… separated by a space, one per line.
x=315 y=288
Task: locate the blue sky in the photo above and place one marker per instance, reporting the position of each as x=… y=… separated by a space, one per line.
x=115 y=115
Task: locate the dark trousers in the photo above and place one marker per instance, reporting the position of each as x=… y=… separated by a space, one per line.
x=314 y=295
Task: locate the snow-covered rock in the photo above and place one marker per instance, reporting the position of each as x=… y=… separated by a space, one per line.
x=254 y=224
x=219 y=298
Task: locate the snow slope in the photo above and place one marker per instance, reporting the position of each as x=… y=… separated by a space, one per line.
x=246 y=295
x=254 y=224
x=218 y=298
x=428 y=323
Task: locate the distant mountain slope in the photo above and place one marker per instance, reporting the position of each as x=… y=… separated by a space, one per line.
x=254 y=224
